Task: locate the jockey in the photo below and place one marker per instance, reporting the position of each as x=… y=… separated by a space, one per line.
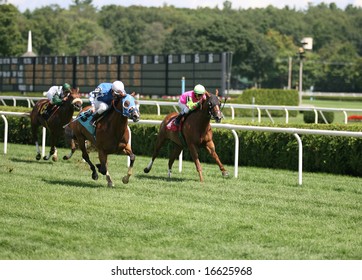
x=101 y=98
x=55 y=95
x=189 y=101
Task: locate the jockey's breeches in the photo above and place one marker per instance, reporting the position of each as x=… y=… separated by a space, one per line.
x=183 y=107
x=100 y=106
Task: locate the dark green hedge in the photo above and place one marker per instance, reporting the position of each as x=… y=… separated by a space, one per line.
x=331 y=154
x=269 y=97
x=309 y=117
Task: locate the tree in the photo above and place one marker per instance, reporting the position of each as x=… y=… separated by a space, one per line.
x=12 y=43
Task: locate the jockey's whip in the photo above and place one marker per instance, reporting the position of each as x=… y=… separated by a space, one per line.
x=64 y=126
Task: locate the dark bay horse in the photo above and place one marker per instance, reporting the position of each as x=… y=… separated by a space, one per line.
x=196 y=131
x=61 y=115
x=111 y=136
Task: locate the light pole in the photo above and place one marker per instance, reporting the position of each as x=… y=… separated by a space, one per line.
x=307 y=44
x=301 y=53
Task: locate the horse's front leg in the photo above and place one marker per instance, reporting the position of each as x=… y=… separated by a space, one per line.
x=102 y=167
x=38 y=155
x=128 y=151
x=53 y=150
x=34 y=131
x=195 y=157
x=210 y=147
x=85 y=156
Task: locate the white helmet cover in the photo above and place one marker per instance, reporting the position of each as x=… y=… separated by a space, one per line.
x=199 y=89
x=118 y=88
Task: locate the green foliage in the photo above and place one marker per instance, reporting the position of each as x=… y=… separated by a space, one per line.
x=12 y=42
x=262 y=40
x=309 y=117
x=269 y=97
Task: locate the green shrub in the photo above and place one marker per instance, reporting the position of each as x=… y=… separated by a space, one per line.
x=330 y=154
x=309 y=117
x=269 y=97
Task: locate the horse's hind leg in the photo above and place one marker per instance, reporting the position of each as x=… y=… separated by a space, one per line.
x=72 y=150
x=174 y=154
x=160 y=141
x=70 y=141
x=210 y=147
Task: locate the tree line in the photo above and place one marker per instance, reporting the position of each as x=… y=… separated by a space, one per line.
x=262 y=40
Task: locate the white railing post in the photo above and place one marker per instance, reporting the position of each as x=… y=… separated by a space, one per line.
x=236 y=160
x=43 y=140
x=300 y=158
x=6 y=131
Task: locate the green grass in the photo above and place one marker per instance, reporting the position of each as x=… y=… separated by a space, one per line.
x=56 y=211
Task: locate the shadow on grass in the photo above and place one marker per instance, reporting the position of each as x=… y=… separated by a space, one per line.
x=31 y=161
x=160 y=178
x=73 y=183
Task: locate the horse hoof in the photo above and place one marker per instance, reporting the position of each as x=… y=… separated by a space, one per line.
x=38 y=157
x=45 y=158
x=225 y=174
x=146 y=170
x=95 y=176
x=55 y=159
x=110 y=184
x=125 y=180
x=65 y=158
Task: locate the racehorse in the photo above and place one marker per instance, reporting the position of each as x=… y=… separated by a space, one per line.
x=111 y=135
x=196 y=132
x=60 y=116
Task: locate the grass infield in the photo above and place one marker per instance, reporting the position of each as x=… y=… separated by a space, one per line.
x=56 y=211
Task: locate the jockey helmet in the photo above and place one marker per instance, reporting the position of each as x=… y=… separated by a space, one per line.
x=118 y=88
x=66 y=87
x=199 y=89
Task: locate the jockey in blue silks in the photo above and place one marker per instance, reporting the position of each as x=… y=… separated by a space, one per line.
x=101 y=98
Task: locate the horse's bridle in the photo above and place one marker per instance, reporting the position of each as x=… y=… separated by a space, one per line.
x=132 y=112
x=214 y=110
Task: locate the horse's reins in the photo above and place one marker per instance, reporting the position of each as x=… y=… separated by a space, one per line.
x=115 y=108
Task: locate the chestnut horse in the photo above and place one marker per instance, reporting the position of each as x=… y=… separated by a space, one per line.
x=111 y=135
x=60 y=116
x=196 y=131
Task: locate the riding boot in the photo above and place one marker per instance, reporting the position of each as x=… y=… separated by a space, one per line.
x=94 y=119
x=178 y=119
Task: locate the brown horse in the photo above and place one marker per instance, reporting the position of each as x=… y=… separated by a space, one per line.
x=60 y=116
x=196 y=131
x=111 y=136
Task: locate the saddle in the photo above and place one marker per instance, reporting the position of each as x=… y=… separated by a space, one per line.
x=171 y=125
x=47 y=109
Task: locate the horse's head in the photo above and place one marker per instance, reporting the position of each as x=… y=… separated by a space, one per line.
x=213 y=106
x=129 y=107
x=74 y=97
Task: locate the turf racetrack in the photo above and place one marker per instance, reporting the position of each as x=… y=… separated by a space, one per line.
x=56 y=211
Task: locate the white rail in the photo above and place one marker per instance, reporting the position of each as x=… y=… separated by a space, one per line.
x=233 y=128
x=232 y=107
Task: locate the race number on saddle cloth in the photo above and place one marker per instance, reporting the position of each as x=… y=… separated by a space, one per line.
x=128 y=103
